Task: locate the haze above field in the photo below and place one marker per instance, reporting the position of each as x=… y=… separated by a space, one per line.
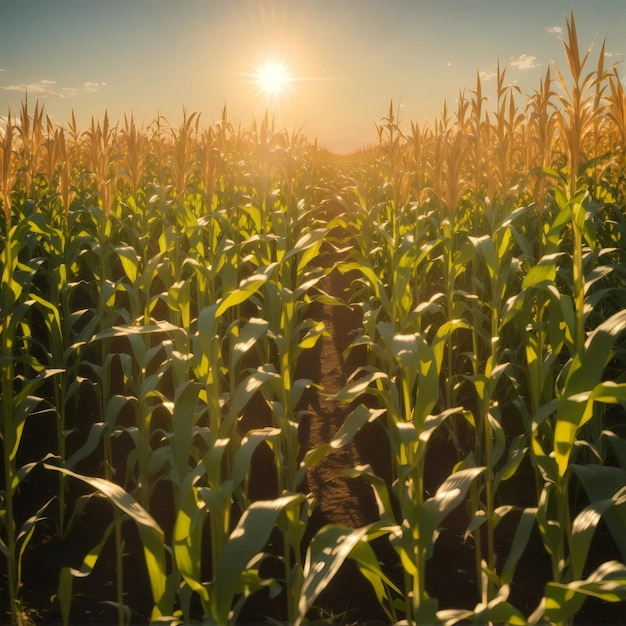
x=329 y=66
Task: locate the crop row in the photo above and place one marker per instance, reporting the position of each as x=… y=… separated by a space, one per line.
x=157 y=283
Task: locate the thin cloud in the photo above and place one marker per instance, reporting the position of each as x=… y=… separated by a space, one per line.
x=525 y=62
x=554 y=30
x=486 y=76
x=41 y=89
x=48 y=89
x=90 y=87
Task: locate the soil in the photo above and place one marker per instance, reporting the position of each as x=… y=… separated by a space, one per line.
x=342 y=500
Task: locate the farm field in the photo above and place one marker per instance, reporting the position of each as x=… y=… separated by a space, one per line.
x=247 y=380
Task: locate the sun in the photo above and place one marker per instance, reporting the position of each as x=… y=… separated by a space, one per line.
x=275 y=84
x=273 y=79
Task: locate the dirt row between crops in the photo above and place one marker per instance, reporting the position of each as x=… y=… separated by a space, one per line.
x=339 y=498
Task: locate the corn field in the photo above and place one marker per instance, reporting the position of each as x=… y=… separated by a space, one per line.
x=160 y=309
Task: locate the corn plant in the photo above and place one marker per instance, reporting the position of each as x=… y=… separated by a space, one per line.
x=568 y=541
x=8 y=172
x=22 y=375
x=408 y=396
x=496 y=252
x=60 y=254
x=152 y=540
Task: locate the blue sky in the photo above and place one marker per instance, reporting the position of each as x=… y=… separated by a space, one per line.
x=349 y=58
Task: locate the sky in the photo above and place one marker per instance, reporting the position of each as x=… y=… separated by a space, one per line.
x=344 y=61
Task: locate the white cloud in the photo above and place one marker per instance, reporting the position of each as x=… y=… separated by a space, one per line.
x=525 y=62
x=41 y=89
x=554 y=30
x=47 y=89
x=90 y=87
x=448 y=64
x=610 y=55
x=485 y=76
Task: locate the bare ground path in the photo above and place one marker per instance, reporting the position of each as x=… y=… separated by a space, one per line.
x=340 y=499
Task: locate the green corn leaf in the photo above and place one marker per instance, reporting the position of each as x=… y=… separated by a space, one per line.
x=245 y=542
x=550 y=530
x=184 y=417
x=544 y=273
x=447 y=497
x=308 y=246
x=315 y=455
x=401 y=540
x=24 y=402
x=379 y=487
x=326 y=553
x=450 y=617
x=12 y=437
x=499 y=611
x=114 y=408
x=602 y=483
x=243 y=456
x=131 y=330
x=251 y=332
x=561 y=319
x=618 y=446
x=67 y=574
x=298 y=388
x=245 y=390
x=609 y=392
x=583 y=529
x=366 y=560
x=213 y=462
x=187 y=536
x=563 y=217
x=517 y=451
x=312 y=336
x=499 y=437
x=28 y=526
x=247 y=288
x=130 y=262
x=207 y=327
x=93 y=440
x=564 y=600
x=178 y=298
x=443 y=334
x=403 y=437
x=520 y=541
x=404 y=349
x=433 y=422
x=353 y=424
x=581 y=215
x=356 y=388
x=583 y=376
x=485 y=246
x=480 y=517
x=151 y=534
x=372 y=278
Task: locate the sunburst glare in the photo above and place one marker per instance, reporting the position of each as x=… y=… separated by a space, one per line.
x=273 y=79
x=275 y=82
